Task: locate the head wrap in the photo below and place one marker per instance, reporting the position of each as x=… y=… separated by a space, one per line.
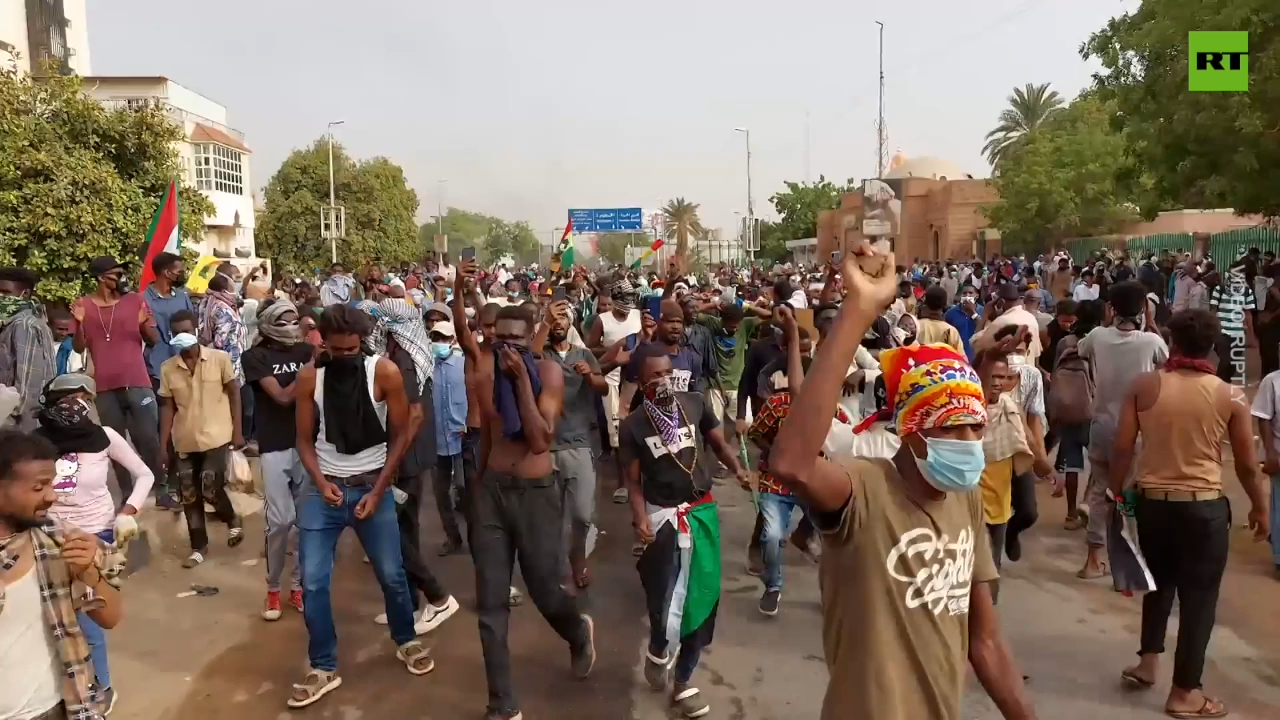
x=623 y=294
x=929 y=386
x=271 y=327
x=376 y=341
x=404 y=323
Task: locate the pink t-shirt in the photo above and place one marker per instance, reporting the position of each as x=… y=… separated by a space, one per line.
x=118 y=362
x=84 y=499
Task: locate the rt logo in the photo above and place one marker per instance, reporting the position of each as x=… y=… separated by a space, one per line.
x=1218 y=61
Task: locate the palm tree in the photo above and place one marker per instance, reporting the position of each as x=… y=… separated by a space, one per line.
x=1029 y=107
x=682 y=222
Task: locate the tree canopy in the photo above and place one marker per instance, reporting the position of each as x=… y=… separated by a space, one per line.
x=1029 y=106
x=1064 y=179
x=78 y=180
x=380 y=210
x=1202 y=149
x=497 y=237
x=798 y=206
x=682 y=223
x=613 y=246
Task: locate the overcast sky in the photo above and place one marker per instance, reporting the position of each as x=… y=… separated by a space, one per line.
x=530 y=108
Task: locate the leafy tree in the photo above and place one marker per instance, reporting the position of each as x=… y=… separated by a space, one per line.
x=773 y=242
x=1029 y=107
x=78 y=180
x=380 y=210
x=798 y=206
x=510 y=239
x=1202 y=149
x=1061 y=180
x=465 y=229
x=682 y=223
x=613 y=246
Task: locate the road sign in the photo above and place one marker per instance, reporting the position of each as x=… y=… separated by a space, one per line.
x=607 y=220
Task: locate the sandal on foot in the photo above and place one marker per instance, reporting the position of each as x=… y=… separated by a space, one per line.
x=416 y=658
x=621 y=496
x=583 y=578
x=1085 y=574
x=514 y=597
x=235 y=536
x=314 y=686
x=1211 y=709
x=1131 y=679
x=1072 y=524
x=656 y=671
x=689 y=702
x=193 y=560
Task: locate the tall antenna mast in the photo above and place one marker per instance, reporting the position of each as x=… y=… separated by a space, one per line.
x=880 y=129
x=807 y=177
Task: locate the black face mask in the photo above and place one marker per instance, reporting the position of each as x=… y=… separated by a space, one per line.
x=122 y=286
x=180 y=280
x=340 y=364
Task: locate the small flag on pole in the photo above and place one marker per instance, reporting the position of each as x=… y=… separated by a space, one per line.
x=163 y=235
x=657 y=245
x=563 y=257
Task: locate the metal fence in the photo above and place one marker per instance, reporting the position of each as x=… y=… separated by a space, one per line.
x=1223 y=247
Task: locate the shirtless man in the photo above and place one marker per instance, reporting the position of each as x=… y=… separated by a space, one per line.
x=516 y=504
x=464 y=285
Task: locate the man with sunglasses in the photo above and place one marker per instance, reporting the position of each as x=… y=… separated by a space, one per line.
x=114 y=323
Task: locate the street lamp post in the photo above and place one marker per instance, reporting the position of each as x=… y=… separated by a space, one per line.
x=333 y=212
x=751 y=214
x=440 y=187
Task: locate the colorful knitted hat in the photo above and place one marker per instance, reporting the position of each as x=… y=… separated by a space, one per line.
x=930 y=386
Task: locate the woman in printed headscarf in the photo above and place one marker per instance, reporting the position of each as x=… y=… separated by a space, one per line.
x=86 y=451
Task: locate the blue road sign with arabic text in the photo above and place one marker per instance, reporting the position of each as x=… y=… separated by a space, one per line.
x=607 y=220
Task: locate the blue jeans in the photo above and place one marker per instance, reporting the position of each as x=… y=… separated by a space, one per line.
x=320 y=525
x=94 y=635
x=776 y=511
x=1275 y=519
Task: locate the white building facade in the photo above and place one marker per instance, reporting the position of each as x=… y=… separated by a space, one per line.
x=36 y=35
x=214 y=156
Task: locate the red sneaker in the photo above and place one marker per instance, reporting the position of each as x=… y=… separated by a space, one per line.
x=272 y=610
x=295 y=600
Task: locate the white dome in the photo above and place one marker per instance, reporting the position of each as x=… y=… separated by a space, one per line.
x=929 y=167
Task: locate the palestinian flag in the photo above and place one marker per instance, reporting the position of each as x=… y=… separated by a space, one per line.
x=692 y=598
x=163 y=235
x=657 y=245
x=563 y=257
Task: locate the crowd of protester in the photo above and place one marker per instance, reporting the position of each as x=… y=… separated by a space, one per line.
x=901 y=421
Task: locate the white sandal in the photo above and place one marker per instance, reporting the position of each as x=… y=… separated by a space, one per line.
x=412 y=653
x=690 y=703
x=316 y=685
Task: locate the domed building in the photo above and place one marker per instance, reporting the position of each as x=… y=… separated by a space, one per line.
x=941 y=213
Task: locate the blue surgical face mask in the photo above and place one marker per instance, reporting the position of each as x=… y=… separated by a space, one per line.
x=441 y=350
x=952 y=465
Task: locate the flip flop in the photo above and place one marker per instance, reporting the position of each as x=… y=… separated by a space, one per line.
x=1211 y=709
x=1132 y=680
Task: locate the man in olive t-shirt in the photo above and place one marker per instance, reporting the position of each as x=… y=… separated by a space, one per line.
x=905 y=563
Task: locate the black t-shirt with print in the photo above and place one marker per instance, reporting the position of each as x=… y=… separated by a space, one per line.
x=662 y=479
x=274 y=427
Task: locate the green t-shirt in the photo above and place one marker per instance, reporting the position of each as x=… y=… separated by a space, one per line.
x=731 y=350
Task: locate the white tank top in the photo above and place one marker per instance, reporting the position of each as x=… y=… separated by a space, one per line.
x=29 y=666
x=335 y=463
x=614 y=331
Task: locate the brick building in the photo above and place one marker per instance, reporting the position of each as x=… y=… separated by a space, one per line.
x=941 y=213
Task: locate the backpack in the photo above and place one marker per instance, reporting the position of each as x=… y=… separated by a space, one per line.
x=1071 y=387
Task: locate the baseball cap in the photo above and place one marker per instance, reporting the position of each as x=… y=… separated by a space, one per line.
x=103 y=264
x=440 y=308
x=444 y=328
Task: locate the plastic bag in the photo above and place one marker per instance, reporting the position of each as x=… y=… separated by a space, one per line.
x=239 y=473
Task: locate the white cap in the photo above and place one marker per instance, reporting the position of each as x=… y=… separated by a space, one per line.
x=445 y=328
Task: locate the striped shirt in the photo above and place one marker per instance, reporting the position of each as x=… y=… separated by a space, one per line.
x=1230 y=300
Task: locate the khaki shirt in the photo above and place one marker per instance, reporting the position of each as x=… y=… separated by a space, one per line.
x=896 y=575
x=202 y=410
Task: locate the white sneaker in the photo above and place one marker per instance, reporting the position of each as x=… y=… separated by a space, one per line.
x=432 y=616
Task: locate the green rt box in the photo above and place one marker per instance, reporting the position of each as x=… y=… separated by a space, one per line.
x=1218 y=61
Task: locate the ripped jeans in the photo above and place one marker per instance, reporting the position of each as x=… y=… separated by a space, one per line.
x=202 y=476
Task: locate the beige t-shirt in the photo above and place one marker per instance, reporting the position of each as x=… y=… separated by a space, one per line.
x=938 y=332
x=896 y=576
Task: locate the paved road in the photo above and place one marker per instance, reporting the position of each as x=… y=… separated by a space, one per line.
x=206 y=658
